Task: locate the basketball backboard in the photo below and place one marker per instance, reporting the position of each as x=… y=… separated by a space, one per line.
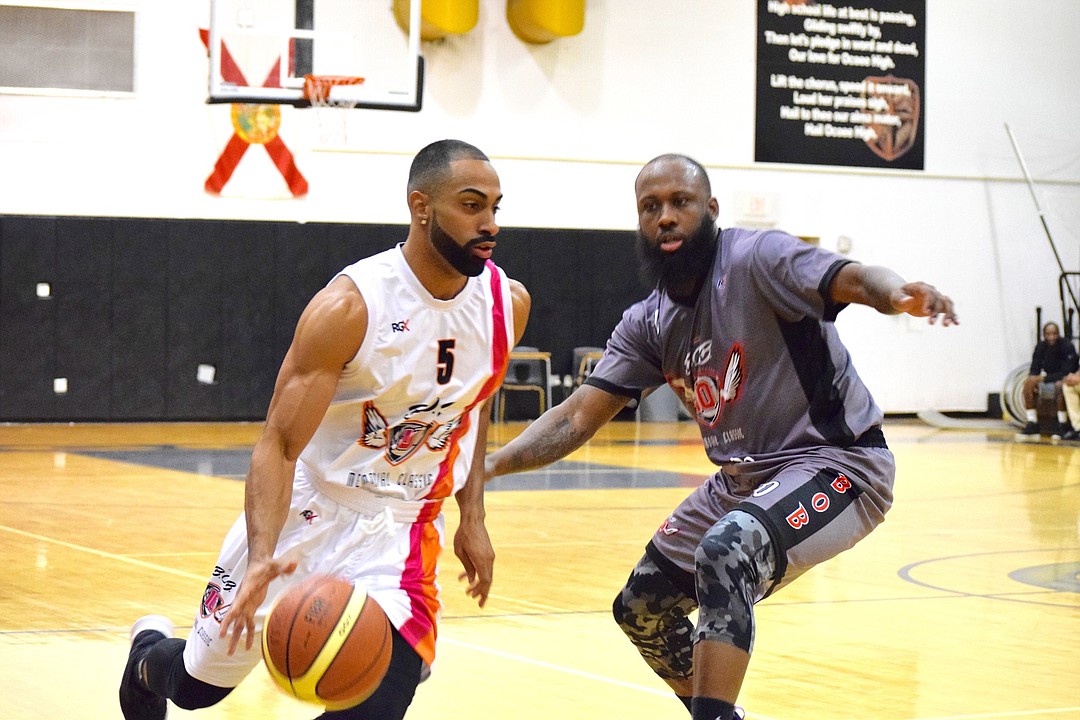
x=260 y=51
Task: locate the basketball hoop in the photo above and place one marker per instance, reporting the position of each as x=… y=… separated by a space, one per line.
x=330 y=109
x=317 y=89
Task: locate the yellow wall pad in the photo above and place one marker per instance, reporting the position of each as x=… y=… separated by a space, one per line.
x=439 y=18
x=541 y=21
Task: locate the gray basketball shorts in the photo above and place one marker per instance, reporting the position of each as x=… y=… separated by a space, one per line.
x=815 y=504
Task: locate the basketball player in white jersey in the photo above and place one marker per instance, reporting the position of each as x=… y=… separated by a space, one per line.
x=379 y=413
x=740 y=326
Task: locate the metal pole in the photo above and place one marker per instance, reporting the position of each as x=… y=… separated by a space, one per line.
x=1042 y=215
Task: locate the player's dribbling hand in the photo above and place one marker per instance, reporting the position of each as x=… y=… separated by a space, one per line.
x=240 y=617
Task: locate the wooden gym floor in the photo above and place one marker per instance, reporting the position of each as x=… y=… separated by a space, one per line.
x=965 y=604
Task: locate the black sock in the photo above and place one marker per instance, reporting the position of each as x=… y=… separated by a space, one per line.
x=686 y=701
x=704 y=708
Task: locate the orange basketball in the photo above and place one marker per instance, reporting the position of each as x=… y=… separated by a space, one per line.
x=325 y=641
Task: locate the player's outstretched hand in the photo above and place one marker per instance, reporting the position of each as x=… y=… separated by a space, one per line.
x=240 y=617
x=922 y=300
x=473 y=547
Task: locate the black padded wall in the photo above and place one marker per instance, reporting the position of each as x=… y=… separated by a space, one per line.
x=27 y=332
x=580 y=282
x=139 y=317
x=137 y=305
x=82 y=339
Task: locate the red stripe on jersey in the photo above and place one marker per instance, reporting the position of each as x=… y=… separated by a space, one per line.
x=418 y=581
x=500 y=348
x=444 y=482
x=500 y=358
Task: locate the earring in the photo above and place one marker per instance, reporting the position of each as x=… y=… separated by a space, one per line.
x=423 y=221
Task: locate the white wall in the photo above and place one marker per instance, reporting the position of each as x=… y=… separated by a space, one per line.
x=568 y=124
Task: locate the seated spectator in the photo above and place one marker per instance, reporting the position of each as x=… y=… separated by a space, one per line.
x=1052 y=360
x=1070 y=388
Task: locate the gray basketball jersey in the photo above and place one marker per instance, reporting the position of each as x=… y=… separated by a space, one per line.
x=756 y=360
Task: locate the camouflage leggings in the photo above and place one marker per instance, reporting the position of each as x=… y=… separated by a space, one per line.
x=653 y=614
x=735 y=565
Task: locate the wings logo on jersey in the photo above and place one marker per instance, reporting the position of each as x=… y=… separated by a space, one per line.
x=710 y=395
x=440 y=436
x=402 y=440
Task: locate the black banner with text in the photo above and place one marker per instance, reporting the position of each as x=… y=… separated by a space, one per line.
x=841 y=84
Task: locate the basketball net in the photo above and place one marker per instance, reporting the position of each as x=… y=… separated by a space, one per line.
x=332 y=113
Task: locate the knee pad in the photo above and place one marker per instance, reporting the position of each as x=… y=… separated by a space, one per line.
x=652 y=613
x=734 y=566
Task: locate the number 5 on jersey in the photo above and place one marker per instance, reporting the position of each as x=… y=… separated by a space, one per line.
x=445 y=367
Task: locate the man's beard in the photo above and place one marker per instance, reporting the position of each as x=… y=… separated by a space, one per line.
x=460 y=258
x=683 y=267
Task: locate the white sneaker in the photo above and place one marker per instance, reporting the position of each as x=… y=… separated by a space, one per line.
x=157 y=623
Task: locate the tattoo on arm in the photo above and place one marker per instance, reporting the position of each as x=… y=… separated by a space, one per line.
x=540 y=446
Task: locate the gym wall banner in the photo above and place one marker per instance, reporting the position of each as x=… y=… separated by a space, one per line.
x=841 y=84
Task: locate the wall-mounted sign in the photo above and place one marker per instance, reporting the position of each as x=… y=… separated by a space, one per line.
x=841 y=83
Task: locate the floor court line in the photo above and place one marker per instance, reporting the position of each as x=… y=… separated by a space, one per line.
x=565 y=670
x=192 y=576
x=754 y=715
x=103 y=554
x=180 y=573
x=527 y=603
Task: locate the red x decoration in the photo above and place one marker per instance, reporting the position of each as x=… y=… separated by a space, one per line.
x=252 y=125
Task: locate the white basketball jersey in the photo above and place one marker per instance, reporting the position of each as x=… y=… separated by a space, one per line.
x=401 y=428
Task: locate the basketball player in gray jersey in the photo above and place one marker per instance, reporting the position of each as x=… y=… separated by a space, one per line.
x=740 y=325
